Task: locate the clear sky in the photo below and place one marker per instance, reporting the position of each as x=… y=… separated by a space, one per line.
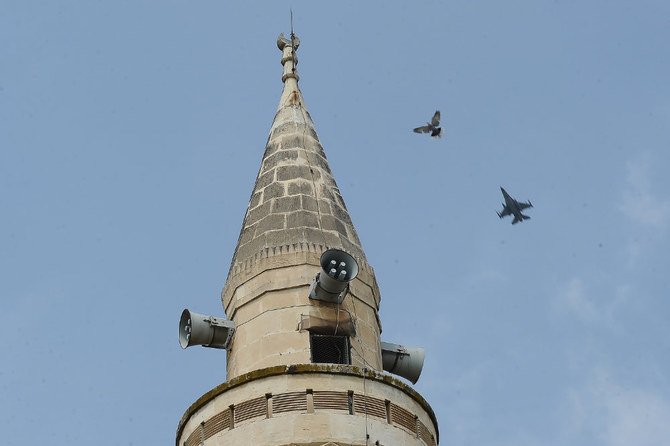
x=131 y=133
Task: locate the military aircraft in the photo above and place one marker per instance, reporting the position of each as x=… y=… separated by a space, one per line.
x=433 y=127
x=513 y=207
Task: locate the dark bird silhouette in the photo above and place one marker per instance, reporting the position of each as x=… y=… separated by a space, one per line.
x=433 y=127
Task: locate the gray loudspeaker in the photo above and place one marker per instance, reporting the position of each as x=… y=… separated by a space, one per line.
x=208 y=331
x=337 y=269
x=403 y=361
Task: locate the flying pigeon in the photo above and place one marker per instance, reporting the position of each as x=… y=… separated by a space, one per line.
x=433 y=127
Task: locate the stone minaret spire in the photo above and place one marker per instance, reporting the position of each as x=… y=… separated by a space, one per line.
x=300 y=371
x=296 y=212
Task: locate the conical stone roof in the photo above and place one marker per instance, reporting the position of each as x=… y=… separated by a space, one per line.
x=296 y=204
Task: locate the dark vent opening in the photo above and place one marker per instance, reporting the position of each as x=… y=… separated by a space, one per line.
x=330 y=349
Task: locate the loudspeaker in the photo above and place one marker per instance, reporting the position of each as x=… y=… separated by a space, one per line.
x=338 y=268
x=403 y=361
x=208 y=331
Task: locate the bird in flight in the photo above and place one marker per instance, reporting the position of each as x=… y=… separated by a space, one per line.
x=433 y=127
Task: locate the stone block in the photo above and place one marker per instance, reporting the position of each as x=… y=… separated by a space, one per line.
x=285 y=173
x=295 y=141
x=332 y=240
x=287 y=204
x=309 y=203
x=326 y=192
x=319 y=159
x=270 y=148
x=287 y=128
x=324 y=207
x=264 y=180
x=302 y=219
x=349 y=247
x=283 y=237
x=301 y=187
x=248 y=250
x=333 y=224
x=274 y=190
x=338 y=198
x=247 y=234
x=257 y=214
x=255 y=200
x=281 y=157
x=341 y=214
x=272 y=221
x=315 y=235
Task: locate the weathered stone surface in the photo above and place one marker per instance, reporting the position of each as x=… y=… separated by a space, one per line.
x=333 y=224
x=272 y=221
x=285 y=173
x=257 y=213
x=255 y=200
x=274 y=190
x=300 y=187
x=264 y=180
x=324 y=207
x=321 y=162
x=283 y=237
x=252 y=248
x=287 y=204
x=326 y=192
x=302 y=218
x=270 y=148
x=296 y=202
x=309 y=203
x=286 y=128
x=247 y=235
x=295 y=129
x=281 y=157
x=338 y=199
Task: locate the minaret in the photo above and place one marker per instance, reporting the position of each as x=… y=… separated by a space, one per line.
x=305 y=364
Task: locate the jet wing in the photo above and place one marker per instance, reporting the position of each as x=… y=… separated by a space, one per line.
x=523 y=206
x=505 y=212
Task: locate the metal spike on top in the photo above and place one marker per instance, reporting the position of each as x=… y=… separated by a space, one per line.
x=289 y=47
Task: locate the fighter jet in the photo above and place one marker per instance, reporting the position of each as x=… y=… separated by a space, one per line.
x=432 y=127
x=513 y=207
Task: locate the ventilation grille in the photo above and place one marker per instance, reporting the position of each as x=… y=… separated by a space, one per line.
x=330 y=349
x=289 y=402
x=425 y=435
x=258 y=407
x=323 y=400
x=331 y=400
x=216 y=424
x=194 y=438
x=372 y=406
x=403 y=418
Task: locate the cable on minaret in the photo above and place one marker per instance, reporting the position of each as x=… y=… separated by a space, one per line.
x=293 y=44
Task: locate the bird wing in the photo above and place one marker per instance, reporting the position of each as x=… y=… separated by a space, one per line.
x=423 y=129
x=436 y=119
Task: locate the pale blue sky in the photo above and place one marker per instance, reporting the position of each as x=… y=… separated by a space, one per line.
x=131 y=133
